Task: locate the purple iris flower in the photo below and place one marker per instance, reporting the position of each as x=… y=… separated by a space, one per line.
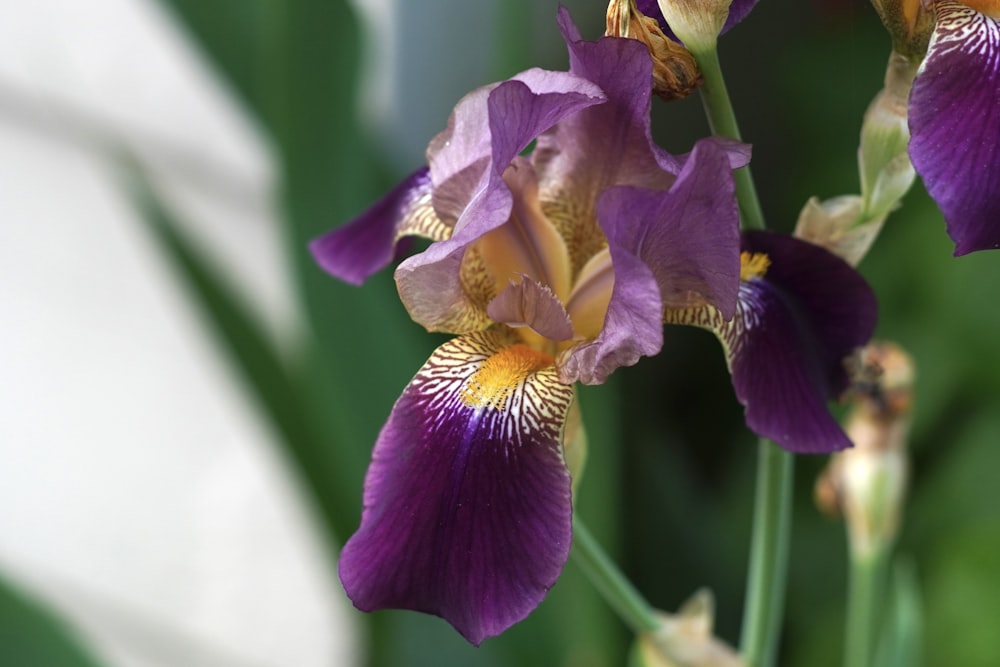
x=552 y=266
x=954 y=117
x=802 y=312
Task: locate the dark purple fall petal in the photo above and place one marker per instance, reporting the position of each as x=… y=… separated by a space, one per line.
x=737 y=12
x=954 y=116
x=467 y=508
x=669 y=249
x=797 y=326
x=368 y=243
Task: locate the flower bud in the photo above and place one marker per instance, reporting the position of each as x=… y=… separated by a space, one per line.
x=883 y=161
x=848 y=225
x=685 y=639
x=838 y=225
x=867 y=484
x=697 y=23
x=909 y=23
x=675 y=72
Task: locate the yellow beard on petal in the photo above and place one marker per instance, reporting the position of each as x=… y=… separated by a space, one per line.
x=753 y=265
x=990 y=8
x=492 y=384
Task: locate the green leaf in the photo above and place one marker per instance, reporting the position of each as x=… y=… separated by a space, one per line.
x=233 y=35
x=32 y=635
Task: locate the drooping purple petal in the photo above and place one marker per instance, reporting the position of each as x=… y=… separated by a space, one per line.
x=531 y=304
x=369 y=243
x=467 y=509
x=669 y=249
x=788 y=342
x=954 y=115
x=429 y=283
x=737 y=12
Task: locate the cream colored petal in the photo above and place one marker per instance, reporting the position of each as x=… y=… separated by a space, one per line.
x=588 y=302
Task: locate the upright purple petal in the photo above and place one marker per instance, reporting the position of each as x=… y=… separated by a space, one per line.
x=467 y=508
x=368 y=243
x=954 y=116
x=531 y=304
x=787 y=345
x=609 y=144
x=492 y=124
x=669 y=249
x=430 y=283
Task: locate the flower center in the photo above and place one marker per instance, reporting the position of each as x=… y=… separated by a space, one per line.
x=753 y=265
x=500 y=375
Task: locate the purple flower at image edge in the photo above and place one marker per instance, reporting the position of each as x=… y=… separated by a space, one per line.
x=954 y=117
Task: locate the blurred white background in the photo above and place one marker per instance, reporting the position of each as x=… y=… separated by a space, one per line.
x=138 y=491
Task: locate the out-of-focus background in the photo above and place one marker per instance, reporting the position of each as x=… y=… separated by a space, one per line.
x=187 y=404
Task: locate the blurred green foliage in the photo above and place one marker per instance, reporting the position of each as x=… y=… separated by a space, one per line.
x=32 y=635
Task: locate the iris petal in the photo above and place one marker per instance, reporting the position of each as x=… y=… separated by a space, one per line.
x=430 y=283
x=954 y=116
x=669 y=249
x=467 y=510
x=368 y=244
x=787 y=344
x=531 y=304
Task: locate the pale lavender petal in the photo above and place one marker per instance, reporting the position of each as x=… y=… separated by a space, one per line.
x=467 y=508
x=429 y=283
x=954 y=116
x=492 y=124
x=370 y=242
x=633 y=326
x=668 y=249
x=531 y=304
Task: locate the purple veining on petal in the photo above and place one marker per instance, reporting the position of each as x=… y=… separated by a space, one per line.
x=737 y=12
x=954 y=116
x=368 y=243
x=531 y=304
x=796 y=327
x=467 y=509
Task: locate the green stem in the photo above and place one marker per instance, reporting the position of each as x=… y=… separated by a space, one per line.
x=722 y=122
x=768 y=555
x=619 y=592
x=863 y=603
